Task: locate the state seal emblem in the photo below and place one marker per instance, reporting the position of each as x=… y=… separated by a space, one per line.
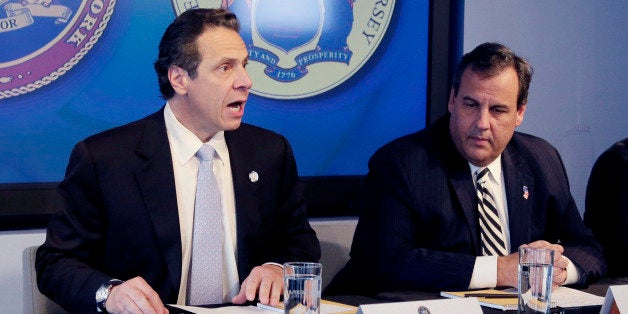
x=300 y=49
x=43 y=39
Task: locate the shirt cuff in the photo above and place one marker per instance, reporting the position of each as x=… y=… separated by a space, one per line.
x=273 y=263
x=573 y=273
x=484 y=272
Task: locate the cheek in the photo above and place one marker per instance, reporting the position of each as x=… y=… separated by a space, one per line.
x=463 y=124
x=459 y=129
x=503 y=132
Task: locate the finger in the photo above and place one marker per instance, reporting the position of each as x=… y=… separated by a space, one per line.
x=559 y=273
x=155 y=302
x=557 y=248
x=264 y=290
x=560 y=278
x=240 y=298
x=251 y=288
x=142 y=299
x=538 y=244
x=561 y=263
x=271 y=288
x=276 y=291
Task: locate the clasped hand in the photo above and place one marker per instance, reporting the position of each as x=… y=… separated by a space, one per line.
x=508 y=266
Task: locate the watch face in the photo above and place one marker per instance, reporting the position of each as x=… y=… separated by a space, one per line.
x=102 y=293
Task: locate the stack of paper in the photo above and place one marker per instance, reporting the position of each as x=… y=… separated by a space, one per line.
x=327 y=307
x=497 y=299
x=507 y=299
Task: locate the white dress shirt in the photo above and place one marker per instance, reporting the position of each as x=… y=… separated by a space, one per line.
x=485 y=268
x=183 y=146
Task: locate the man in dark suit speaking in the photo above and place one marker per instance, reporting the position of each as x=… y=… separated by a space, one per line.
x=127 y=239
x=447 y=208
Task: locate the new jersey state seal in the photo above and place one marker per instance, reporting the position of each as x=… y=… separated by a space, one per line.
x=303 y=48
x=45 y=39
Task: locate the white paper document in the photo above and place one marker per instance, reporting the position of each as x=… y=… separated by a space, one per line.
x=224 y=309
x=568 y=297
x=444 y=306
x=326 y=308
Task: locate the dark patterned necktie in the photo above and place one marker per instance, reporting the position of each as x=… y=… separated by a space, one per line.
x=205 y=282
x=491 y=233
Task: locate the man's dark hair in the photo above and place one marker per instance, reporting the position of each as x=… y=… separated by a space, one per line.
x=490 y=59
x=178 y=45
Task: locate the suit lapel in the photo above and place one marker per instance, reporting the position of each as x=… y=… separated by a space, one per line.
x=463 y=187
x=246 y=200
x=519 y=187
x=156 y=184
x=459 y=177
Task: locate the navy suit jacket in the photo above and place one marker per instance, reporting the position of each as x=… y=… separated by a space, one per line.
x=418 y=227
x=607 y=205
x=121 y=216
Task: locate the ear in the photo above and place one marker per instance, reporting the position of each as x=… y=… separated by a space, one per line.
x=520 y=113
x=450 y=103
x=178 y=78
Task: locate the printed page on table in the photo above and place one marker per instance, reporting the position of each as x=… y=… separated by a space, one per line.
x=458 y=305
x=561 y=296
x=497 y=299
x=235 y=309
x=327 y=307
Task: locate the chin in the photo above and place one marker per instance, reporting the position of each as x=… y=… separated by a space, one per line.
x=233 y=126
x=479 y=161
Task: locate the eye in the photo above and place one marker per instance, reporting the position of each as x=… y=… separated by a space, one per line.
x=223 y=68
x=471 y=104
x=498 y=110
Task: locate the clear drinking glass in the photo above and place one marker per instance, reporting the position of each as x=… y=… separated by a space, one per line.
x=302 y=287
x=535 y=280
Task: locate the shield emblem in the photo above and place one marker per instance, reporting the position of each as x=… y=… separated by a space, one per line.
x=288 y=24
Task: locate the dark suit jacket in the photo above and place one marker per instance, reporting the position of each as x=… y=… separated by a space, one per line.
x=121 y=216
x=607 y=205
x=418 y=228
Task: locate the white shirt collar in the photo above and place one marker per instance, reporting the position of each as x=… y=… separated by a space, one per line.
x=495 y=169
x=185 y=144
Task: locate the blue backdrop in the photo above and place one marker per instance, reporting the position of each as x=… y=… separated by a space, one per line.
x=333 y=133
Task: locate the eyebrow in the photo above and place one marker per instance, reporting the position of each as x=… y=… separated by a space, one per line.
x=232 y=60
x=491 y=105
x=469 y=98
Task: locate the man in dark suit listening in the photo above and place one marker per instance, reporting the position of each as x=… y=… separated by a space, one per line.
x=607 y=205
x=124 y=242
x=420 y=225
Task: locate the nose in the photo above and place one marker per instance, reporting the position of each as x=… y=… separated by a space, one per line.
x=243 y=80
x=483 y=119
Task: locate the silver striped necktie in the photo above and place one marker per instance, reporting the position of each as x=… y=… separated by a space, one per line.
x=491 y=233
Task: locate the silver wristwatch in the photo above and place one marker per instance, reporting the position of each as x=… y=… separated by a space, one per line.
x=103 y=293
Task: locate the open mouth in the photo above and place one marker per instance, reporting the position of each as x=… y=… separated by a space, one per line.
x=235 y=106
